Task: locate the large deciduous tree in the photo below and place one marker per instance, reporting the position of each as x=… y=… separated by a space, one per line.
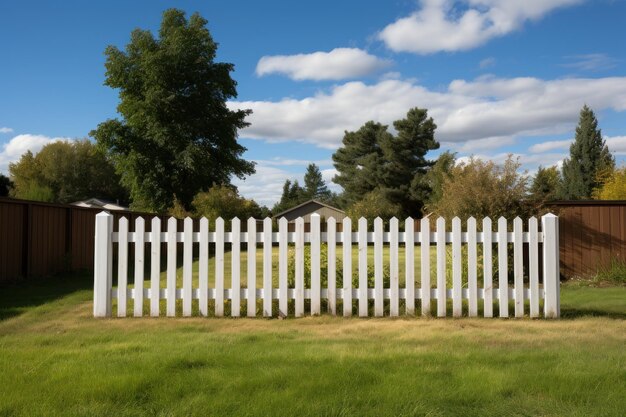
x=588 y=156
x=65 y=172
x=176 y=136
x=395 y=165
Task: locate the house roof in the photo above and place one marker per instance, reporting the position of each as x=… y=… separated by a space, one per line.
x=304 y=204
x=98 y=203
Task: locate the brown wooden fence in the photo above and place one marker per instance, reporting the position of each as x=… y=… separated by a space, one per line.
x=592 y=235
x=39 y=239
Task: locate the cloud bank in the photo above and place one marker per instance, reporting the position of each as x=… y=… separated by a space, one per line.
x=488 y=109
x=446 y=25
x=16 y=147
x=338 y=64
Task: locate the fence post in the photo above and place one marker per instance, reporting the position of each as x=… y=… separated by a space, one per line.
x=103 y=264
x=551 y=272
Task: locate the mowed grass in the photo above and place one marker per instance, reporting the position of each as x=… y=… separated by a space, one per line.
x=56 y=360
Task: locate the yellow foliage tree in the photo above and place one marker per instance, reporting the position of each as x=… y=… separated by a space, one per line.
x=613 y=187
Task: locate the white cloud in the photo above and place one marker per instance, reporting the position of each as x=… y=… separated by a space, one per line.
x=293 y=162
x=447 y=25
x=590 y=62
x=550 y=146
x=486 y=108
x=13 y=150
x=265 y=186
x=616 y=144
x=338 y=64
x=529 y=162
x=487 y=63
x=6 y=130
x=479 y=144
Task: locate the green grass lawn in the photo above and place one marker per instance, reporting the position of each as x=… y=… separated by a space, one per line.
x=55 y=359
x=259 y=266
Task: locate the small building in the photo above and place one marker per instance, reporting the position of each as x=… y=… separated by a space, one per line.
x=305 y=210
x=100 y=204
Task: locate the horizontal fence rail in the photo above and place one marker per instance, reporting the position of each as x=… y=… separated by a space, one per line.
x=306 y=284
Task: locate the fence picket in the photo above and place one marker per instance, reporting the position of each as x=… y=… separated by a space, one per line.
x=394 y=289
x=251 y=247
x=503 y=271
x=187 y=264
x=487 y=268
x=533 y=266
x=518 y=267
x=409 y=265
x=170 y=291
x=103 y=265
x=299 y=269
x=331 y=229
x=441 y=267
x=316 y=291
x=283 y=248
x=472 y=279
x=347 y=267
x=219 y=267
x=378 y=267
x=267 y=267
x=363 y=267
x=235 y=265
x=551 y=278
x=122 y=267
x=457 y=301
x=203 y=267
x=105 y=237
x=155 y=267
x=425 y=265
x=139 y=266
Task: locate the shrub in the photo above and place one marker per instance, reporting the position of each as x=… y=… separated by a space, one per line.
x=613 y=274
x=484 y=189
x=372 y=205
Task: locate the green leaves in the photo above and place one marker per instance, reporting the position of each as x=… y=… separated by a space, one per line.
x=65 y=172
x=373 y=159
x=176 y=136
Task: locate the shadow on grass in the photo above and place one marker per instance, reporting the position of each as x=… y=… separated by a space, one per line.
x=17 y=297
x=574 y=313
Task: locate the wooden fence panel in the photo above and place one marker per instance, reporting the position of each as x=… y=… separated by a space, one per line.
x=309 y=287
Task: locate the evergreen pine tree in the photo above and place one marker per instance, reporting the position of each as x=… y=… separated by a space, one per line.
x=545 y=185
x=588 y=155
x=314 y=185
x=373 y=159
x=292 y=195
x=405 y=166
x=359 y=161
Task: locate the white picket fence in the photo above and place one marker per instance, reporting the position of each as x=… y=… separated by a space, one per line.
x=415 y=243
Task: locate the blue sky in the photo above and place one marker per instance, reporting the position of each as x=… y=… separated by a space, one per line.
x=498 y=76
